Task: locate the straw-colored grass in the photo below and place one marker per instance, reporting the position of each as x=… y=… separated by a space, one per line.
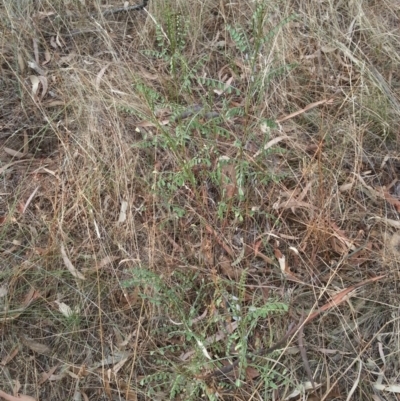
x=187 y=185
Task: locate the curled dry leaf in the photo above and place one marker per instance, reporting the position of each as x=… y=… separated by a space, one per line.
x=3 y=290
x=204 y=350
x=58 y=40
x=35 y=346
x=35 y=67
x=392 y=244
x=100 y=76
x=105 y=261
x=47 y=56
x=47 y=375
x=45 y=86
x=118 y=366
x=21 y=63
x=281 y=259
x=53 y=43
x=213 y=339
x=346 y=187
x=391 y=388
x=199 y=318
x=76 y=371
x=113 y=359
x=54 y=103
x=271 y=143
x=16 y=387
x=85 y=397
x=389 y=222
x=251 y=373
x=67 y=59
x=30 y=297
x=390 y=199
x=219 y=92
x=122 y=212
x=69 y=265
x=301 y=388
x=13 y=152
x=35 y=85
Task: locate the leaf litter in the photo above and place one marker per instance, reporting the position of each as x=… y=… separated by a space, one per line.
x=311 y=207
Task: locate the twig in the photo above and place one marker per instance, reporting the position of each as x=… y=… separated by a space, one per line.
x=220 y=241
x=303 y=354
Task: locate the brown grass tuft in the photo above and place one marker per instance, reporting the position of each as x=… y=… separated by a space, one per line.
x=181 y=184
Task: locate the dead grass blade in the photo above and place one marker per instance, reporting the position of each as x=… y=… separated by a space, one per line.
x=356 y=382
x=340 y=298
x=27 y=203
x=309 y=107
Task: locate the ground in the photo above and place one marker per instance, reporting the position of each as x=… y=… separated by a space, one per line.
x=199 y=200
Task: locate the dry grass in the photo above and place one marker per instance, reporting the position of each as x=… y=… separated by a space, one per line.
x=168 y=161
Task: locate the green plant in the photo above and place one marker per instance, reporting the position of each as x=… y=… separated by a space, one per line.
x=176 y=378
x=251 y=44
x=170 y=37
